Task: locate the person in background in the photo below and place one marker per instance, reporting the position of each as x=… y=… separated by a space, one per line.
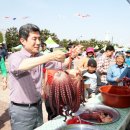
x=91 y=78
x=83 y=52
x=3 y=51
x=3 y=72
x=25 y=79
x=117 y=72
x=70 y=46
x=44 y=49
x=51 y=49
x=104 y=62
x=78 y=57
x=84 y=61
x=127 y=59
x=6 y=50
x=99 y=53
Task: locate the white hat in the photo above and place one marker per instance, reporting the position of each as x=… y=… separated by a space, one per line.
x=120 y=54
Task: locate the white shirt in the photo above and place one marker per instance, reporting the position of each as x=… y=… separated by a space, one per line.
x=92 y=80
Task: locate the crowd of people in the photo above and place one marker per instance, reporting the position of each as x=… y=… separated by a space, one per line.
x=27 y=73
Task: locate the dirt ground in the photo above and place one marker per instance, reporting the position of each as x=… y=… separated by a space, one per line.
x=4 y=105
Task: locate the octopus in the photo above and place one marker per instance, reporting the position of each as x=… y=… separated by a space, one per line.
x=126 y=81
x=65 y=91
x=97 y=116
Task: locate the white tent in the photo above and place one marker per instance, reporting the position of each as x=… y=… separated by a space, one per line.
x=50 y=43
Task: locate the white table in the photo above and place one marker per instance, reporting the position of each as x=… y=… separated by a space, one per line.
x=121 y=124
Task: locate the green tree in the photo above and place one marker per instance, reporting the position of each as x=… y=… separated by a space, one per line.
x=45 y=34
x=1 y=37
x=93 y=42
x=11 y=37
x=64 y=43
x=55 y=37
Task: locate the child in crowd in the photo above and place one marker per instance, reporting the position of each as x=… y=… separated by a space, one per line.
x=91 y=78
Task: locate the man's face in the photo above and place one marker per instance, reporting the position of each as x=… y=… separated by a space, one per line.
x=110 y=53
x=32 y=44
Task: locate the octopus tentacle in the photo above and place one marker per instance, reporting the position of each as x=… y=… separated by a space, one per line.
x=69 y=95
x=51 y=98
x=65 y=92
x=78 y=97
x=57 y=96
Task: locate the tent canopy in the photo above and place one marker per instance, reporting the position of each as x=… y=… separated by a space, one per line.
x=50 y=43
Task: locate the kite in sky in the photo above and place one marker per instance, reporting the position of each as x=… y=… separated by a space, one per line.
x=25 y=17
x=14 y=18
x=83 y=15
x=6 y=17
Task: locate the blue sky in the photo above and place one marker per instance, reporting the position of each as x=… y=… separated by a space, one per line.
x=109 y=19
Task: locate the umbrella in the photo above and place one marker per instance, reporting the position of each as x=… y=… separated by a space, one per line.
x=50 y=43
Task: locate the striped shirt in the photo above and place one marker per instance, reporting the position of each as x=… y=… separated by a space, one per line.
x=103 y=64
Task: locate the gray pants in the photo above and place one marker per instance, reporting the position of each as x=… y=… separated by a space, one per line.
x=25 y=118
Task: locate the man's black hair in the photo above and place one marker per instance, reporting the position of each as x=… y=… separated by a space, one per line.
x=26 y=29
x=110 y=48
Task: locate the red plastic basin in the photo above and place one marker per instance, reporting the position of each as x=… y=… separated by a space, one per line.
x=115 y=96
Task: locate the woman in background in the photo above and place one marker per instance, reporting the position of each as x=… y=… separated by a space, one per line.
x=118 y=71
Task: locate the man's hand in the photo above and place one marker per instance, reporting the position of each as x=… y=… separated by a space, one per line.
x=4 y=83
x=58 y=56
